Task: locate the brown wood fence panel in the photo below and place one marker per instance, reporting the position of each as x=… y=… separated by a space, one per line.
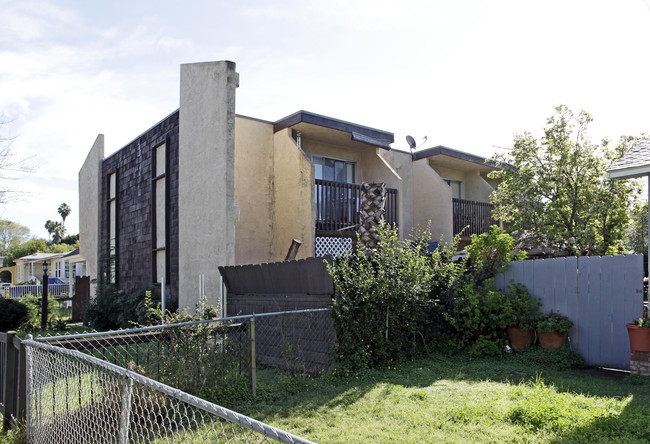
x=12 y=378
x=599 y=294
x=81 y=297
x=307 y=277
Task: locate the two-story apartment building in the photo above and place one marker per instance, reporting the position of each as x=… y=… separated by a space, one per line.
x=205 y=187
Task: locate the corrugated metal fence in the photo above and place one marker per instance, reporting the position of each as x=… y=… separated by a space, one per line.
x=599 y=294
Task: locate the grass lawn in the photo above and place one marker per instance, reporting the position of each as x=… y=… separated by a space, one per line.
x=457 y=399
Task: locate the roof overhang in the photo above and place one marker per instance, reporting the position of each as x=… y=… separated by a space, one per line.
x=629 y=173
x=450 y=158
x=340 y=132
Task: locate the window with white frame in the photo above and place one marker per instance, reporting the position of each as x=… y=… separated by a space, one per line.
x=57 y=269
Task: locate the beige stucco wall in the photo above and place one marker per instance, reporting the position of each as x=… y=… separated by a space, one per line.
x=375 y=165
x=432 y=197
x=294 y=197
x=254 y=191
x=395 y=170
x=206 y=190
x=90 y=208
x=474 y=186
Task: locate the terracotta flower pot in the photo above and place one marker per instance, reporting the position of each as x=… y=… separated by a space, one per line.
x=639 y=337
x=519 y=338
x=551 y=340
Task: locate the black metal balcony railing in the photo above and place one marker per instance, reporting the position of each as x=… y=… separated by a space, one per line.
x=338 y=203
x=476 y=216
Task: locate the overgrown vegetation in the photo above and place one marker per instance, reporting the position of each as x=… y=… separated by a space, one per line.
x=522 y=397
x=25 y=313
x=112 y=308
x=387 y=303
x=397 y=300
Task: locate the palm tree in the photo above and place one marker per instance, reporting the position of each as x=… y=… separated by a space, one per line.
x=64 y=210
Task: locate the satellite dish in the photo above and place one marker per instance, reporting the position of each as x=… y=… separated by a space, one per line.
x=411 y=141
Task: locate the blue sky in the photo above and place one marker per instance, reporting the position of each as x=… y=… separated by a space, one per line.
x=467 y=74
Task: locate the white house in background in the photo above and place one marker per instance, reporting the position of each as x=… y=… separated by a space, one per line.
x=62 y=266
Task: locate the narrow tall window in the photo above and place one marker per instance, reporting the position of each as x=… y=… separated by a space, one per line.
x=160 y=212
x=112 y=222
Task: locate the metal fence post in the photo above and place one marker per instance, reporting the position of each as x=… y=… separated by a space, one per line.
x=125 y=414
x=21 y=378
x=30 y=404
x=253 y=367
x=163 y=305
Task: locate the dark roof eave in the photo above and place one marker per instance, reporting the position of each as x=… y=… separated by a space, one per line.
x=359 y=133
x=441 y=150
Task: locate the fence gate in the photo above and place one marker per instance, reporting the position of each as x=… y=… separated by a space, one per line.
x=599 y=294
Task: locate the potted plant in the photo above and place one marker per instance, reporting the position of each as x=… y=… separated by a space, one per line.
x=553 y=330
x=639 y=334
x=521 y=309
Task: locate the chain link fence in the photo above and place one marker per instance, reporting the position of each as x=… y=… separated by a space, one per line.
x=117 y=386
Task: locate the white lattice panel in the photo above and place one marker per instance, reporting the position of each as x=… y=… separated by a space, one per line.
x=335 y=246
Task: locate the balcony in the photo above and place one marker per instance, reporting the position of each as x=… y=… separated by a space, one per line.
x=338 y=203
x=476 y=216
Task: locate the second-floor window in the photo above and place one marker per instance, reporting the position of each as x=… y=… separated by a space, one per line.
x=456 y=188
x=336 y=170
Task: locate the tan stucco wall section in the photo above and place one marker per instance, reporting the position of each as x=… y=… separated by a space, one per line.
x=474 y=186
x=432 y=197
x=90 y=208
x=477 y=187
x=294 y=197
x=394 y=169
x=254 y=191
x=206 y=190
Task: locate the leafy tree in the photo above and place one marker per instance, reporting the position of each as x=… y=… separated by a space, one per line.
x=56 y=230
x=554 y=191
x=64 y=211
x=12 y=234
x=30 y=247
x=71 y=239
x=34 y=246
x=636 y=237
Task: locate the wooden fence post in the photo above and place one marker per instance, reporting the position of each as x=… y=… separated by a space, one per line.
x=8 y=384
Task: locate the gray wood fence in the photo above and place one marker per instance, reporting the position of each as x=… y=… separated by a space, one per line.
x=599 y=294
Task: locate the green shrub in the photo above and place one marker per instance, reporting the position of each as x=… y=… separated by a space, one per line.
x=554 y=322
x=112 y=308
x=386 y=305
x=489 y=254
x=477 y=317
x=34 y=307
x=521 y=308
x=13 y=314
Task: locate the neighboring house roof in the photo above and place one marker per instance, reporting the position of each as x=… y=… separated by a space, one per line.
x=40 y=257
x=635 y=163
x=451 y=158
x=345 y=133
